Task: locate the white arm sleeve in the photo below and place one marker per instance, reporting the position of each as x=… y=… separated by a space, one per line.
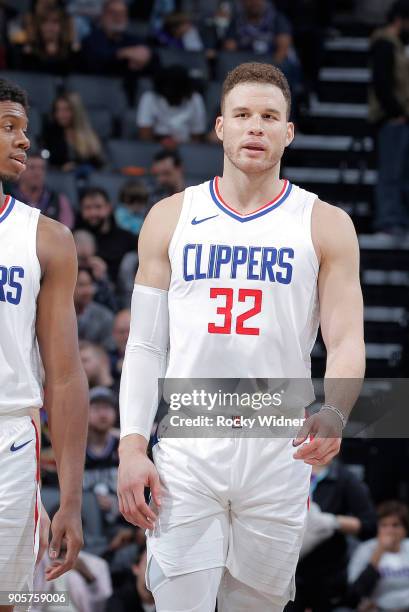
x=145 y=360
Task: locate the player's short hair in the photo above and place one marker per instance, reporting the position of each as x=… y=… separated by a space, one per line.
x=10 y=92
x=90 y=192
x=256 y=72
x=399 y=9
x=166 y=154
x=395 y=508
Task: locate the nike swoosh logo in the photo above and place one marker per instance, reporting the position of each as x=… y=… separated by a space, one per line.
x=197 y=221
x=13 y=447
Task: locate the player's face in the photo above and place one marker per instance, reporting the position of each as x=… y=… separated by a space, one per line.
x=13 y=140
x=95 y=210
x=254 y=127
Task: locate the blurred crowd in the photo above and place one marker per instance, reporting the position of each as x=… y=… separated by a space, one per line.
x=354 y=555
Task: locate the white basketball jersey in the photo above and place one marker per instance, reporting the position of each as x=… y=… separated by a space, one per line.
x=243 y=292
x=20 y=273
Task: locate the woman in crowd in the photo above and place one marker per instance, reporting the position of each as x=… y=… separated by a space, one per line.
x=49 y=42
x=72 y=143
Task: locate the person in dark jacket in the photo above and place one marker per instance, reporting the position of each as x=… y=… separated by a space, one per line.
x=96 y=216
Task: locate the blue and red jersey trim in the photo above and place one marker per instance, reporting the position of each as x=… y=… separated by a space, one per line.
x=263 y=210
x=7 y=207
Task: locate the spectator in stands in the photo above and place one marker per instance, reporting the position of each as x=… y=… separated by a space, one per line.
x=32 y=190
x=389 y=113
x=120 y=333
x=379 y=569
x=173 y=112
x=112 y=49
x=133 y=206
x=199 y=9
x=101 y=458
x=50 y=44
x=259 y=28
x=167 y=170
x=72 y=143
x=88 y=584
x=95 y=361
x=96 y=216
x=178 y=31
x=86 y=246
x=338 y=492
x=94 y=320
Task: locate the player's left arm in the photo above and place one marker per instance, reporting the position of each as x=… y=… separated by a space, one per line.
x=66 y=389
x=341 y=315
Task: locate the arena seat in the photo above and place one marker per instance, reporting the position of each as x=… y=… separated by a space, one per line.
x=101 y=121
x=203 y=161
x=112 y=183
x=194 y=61
x=63 y=182
x=41 y=88
x=227 y=60
x=137 y=153
x=129 y=128
x=99 y=92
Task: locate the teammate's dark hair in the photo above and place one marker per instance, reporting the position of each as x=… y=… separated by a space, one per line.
x=395 y=508
x=255 y=72
x=399 y=9
x=10 y=92
x=165 y=154
x=94 y=191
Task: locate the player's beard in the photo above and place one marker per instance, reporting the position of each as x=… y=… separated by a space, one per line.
x=257 y=167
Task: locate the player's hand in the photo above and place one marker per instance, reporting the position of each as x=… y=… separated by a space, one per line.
x=325 y=432
x=136 y=471
x=44 y=533
x=66 y=541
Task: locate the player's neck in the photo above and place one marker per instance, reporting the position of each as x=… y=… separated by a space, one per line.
x=2 y=196
x=247 y=192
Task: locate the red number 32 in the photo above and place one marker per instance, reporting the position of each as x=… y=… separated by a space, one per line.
x=226 y=309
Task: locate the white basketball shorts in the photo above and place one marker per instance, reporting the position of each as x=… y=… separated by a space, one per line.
x=19 y=502
x=234 y=502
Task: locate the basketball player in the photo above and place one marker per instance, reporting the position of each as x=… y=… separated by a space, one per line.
x=235 y=274
x=37 y=278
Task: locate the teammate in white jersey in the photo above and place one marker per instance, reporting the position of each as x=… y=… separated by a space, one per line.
x=234 y=277
x=37 y=278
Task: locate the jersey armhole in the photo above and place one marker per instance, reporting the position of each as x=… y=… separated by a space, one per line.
x=32 y=249
x=307 y=224
x=184 y=214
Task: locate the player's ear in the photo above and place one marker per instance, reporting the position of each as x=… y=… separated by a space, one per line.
x=290 y=133
x=219 y=127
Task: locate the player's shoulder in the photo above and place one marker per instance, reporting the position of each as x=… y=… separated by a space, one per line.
x=328 y=214
x=54 y=242
x=163 y=217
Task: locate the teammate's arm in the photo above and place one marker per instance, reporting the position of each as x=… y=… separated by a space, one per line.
x=66 y=389
x=144 y=362
x=341 y=315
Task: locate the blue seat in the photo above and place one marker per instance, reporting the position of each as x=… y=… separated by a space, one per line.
x=194 y=61
x=138 y=153
x=202 y=161
x=99 y=92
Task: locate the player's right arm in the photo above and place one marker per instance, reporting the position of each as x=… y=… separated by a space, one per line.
x=144 y=362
